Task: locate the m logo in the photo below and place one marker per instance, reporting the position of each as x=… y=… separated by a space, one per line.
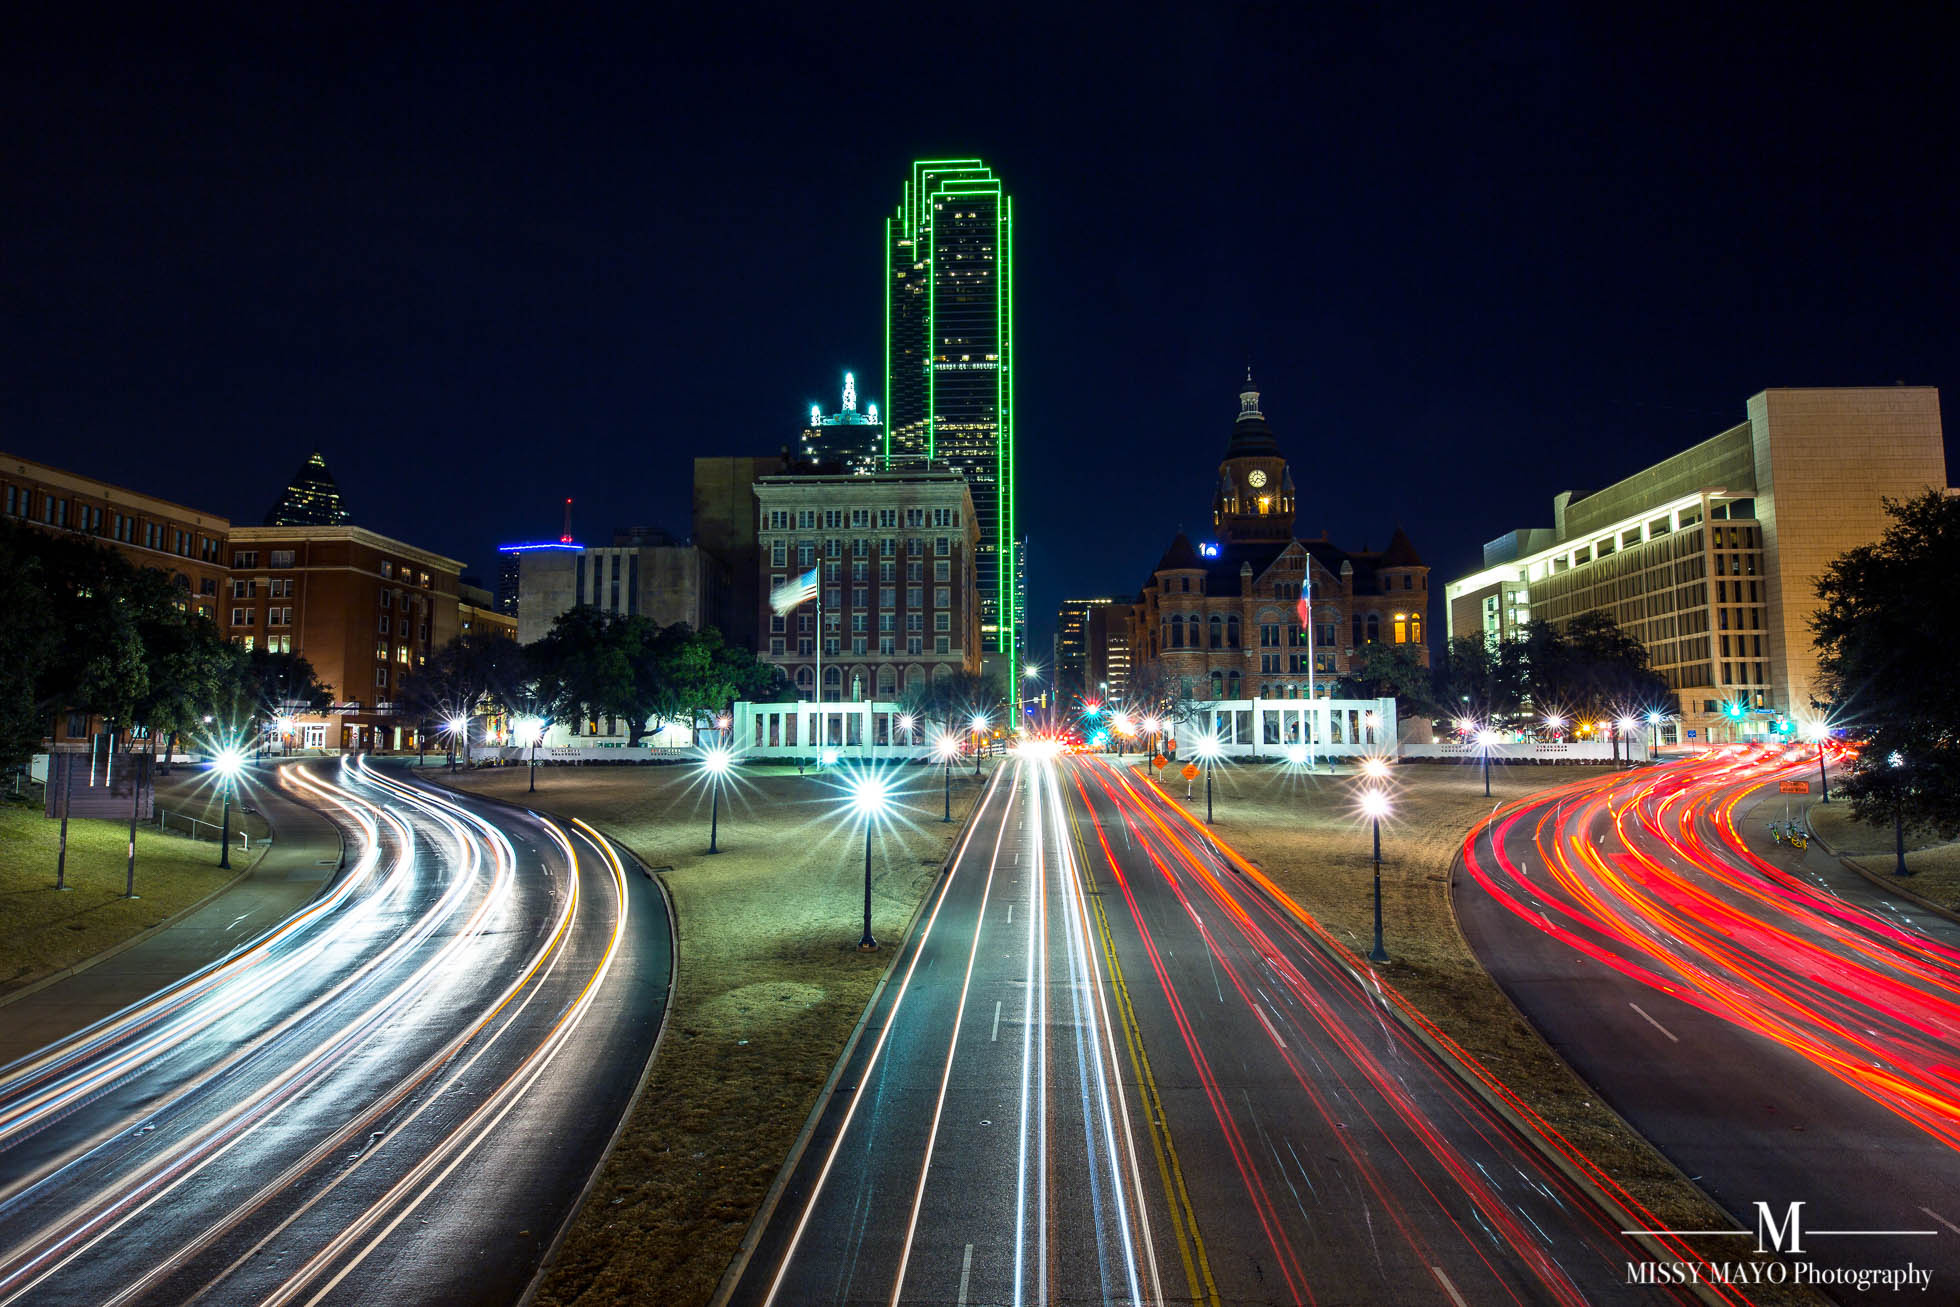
x=1771 y=1237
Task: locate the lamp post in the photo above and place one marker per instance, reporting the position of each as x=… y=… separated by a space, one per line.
x=948 y=749
x=227 y=764
x=528 y=731
x=458 y=738
x=979 y=724
x=870 y=798
x=1654 y=720
x=1554 y=723
x=1374 y=803
x=905 y=723
x=1121 y=724
x=1207 y=750
x=1485 y=739
x=715 y=762
x=1818 y=732
x=1897 y=761
x=1627 y=726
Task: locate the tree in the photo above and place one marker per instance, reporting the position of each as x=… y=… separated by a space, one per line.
x=706 y=673
x=1389 y=671
x=954 y=699
x=28 y=641
x=475 y=672
x=1477 y=679
x=1883 y=631
x=598 y=664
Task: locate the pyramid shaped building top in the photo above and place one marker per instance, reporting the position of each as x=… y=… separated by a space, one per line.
x=311 y=498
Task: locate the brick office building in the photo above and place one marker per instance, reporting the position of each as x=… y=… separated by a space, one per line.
x=1222 y=621
x=362 y=608
x=895 y=556
x=184 y=543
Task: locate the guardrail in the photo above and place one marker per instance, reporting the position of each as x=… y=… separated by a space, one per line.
x=192 y=825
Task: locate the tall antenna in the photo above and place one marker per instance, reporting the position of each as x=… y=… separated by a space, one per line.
x=565 y=538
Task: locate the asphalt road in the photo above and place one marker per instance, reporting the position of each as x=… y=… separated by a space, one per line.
x=1108 y=1067
x=395 y=1095
x=1774 y=1024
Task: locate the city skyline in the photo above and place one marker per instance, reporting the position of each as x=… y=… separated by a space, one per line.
x=1433 y=290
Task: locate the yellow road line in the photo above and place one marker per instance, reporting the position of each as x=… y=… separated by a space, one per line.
x=1184 y=1218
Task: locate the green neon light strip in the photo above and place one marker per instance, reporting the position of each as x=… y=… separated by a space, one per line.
x=889 y=396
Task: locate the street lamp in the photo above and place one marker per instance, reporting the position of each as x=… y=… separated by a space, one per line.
x=1820 y=732
x=870 y=798
x=1554 y=723
x=1374 y=804
x=1654 y=719
x=714 y=764
x=948 y=749
x=1627 y=726
x=905 y=723
x=1207 y=750
x=1897 y=761
x=979 y=725
x=529 y=730
x=458 y=738
x=1485 y=739
x=1123 y=727
x=227 y=764
x=1151 y=728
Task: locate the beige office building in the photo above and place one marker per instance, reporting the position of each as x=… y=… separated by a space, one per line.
x=1711 y=558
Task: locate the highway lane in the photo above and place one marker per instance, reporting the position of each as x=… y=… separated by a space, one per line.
x=1109 y=1067
x=399 y=1091
x=1778 y=1041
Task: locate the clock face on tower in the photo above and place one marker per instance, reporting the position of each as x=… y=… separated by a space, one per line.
x=1255 y=478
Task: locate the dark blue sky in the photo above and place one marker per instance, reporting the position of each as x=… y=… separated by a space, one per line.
x=483 y=264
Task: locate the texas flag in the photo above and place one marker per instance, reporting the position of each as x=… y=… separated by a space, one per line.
x=796 y=590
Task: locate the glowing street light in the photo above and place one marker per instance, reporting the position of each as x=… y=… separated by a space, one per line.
x=869 y=799
x=1624 y=727
x=1654 y=719
x=1374 y=805
x=529 y=731
x=948 y=748
x=1206 y=747
x=979 y=725
x=1486 y=738
x=715 y=762
x=905 y=724
x=458 y=731
x=227 y=764
x=1375 y=769
x=1819 y=732
x=1554 y=723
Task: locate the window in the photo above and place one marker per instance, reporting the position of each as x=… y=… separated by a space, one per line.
x=942 y=644
x=1174 y=636
x=915 y=621
x=806 y=555
x=888 y=572
x=381 y=677
x=1217 y=632
x=915 y=644
x=942 y=621
x=384 y=624
x=381 y=650
x=776 y=646
x=248 y=644
x=887 y=596
x=387 y=569
x=1232 y=632
x=860 y=596
x=245 y=558
x=1401 y=628
x=1374 y=628
x=915 y=596
x=779 y=554
x=942 y=597
x=1269 y=635
x=860 y=621
x=942 y=571
x=888 y=621
x=238 y=616
x=401 y=654
x=942 y=546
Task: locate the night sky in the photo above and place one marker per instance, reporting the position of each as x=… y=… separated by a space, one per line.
x=483 y=265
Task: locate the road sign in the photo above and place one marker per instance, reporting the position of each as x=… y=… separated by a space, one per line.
x=1795 y=787
x=1691 y=733
x=1160 y=761
x=1190 y=771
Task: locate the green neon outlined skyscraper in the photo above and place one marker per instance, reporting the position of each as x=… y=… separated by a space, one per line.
x=949 y=365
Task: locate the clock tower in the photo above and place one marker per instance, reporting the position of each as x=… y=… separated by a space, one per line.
x=1254 y=498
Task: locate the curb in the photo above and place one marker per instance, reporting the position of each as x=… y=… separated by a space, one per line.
x=732 y=1277
x=1890 y=883
x=1454 y=1064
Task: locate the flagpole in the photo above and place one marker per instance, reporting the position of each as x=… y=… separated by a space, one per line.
x=1306 y=619
x=822 y=734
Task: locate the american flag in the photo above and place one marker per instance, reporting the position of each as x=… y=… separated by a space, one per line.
x=796 y=590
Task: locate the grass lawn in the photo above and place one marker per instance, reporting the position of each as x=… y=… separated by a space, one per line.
x=1934 y=867
x=768 y=987
x=1305 y=833
x=43 y=931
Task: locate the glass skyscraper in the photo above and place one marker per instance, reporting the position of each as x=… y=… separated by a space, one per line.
x=949 y=364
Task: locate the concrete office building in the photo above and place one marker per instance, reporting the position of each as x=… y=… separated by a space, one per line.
x=644 y=571
x=898 y=584
x=1106 y=640
x=1072 y=680
x=1710 y=558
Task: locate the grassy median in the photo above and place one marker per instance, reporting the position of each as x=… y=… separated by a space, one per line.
x=1933 y=865
x=1305 y=832
x=768 y=987
x=43 y=930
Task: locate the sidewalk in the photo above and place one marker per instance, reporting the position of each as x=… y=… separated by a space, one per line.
x=297 y=866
